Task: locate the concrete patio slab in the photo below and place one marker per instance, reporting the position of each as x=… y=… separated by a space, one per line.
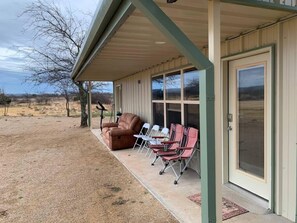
x=175 y=197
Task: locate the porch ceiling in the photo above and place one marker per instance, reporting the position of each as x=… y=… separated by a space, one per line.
x=134 y=46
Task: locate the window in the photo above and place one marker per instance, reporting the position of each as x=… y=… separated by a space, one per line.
x=173 y=86
x=175 y=98
x=158 y=113
x=173 y=114
x=191 y=116
x=191 y=84
x=158 y=88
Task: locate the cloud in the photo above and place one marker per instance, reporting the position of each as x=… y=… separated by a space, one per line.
x=14 y=42
x=13 y=59
x=15 y=83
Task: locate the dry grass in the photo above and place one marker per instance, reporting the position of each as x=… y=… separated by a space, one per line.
x=53 y=107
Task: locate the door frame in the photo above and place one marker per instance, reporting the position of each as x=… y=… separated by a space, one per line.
x=225 y=69
x=118 y=92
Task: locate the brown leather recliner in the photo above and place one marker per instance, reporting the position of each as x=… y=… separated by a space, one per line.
x=120 y=135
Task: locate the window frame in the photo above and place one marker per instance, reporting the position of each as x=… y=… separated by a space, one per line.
x=182 y=102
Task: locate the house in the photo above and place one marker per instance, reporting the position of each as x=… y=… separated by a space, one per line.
x=230 y=62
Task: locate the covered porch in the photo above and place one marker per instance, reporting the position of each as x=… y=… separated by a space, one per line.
x=130 y=41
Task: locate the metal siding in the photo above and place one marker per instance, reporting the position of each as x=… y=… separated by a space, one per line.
x=269 y=35
x=250 y=41
x=286 y=122
x=235 y=46
x=137 y=97
x=290 y=118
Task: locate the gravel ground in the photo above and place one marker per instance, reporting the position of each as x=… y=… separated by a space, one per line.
x=51 y=170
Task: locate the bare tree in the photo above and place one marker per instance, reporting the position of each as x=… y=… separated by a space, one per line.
x=65 y=88
x=58 y=38
x=5 y=101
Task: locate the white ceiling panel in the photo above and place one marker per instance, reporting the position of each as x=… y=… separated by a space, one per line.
x=136 y=45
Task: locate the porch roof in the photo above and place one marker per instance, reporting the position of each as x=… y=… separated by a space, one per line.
x=122 y=41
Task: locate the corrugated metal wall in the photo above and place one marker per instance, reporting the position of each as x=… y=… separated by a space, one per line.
x=284 y=36
x=136 y=89
x=289 y=125
x=137 y=99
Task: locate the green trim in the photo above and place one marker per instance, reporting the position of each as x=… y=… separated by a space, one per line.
x=207 y=145
x=108 y=19
x=122 y=13
x=224 y=58
x=207 y=129
x=296 y=189
x=273 y=117
x=102 y=17
x=263 y=4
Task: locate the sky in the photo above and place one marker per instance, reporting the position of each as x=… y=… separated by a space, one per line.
x=14 y=40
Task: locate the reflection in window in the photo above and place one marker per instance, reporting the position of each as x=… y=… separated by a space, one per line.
x=191 y=84
x=251 y=107
x=173 y=112
x=158 y=113
x=191 y=118
x=251 y=83
x=173 y=86
x=157 y=88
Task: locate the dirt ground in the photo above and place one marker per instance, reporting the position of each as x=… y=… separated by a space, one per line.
x=51 y=170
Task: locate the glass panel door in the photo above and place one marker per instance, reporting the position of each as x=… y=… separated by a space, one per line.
x=249 y=115
x=250 y=100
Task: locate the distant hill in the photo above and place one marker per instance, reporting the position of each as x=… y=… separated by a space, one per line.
x=251 y=93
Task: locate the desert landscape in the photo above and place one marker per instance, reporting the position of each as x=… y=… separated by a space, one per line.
x=54 y=171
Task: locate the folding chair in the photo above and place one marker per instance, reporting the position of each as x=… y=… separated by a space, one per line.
x=143 y=131
x=184 y=153
x=154 y=131
x=168 y=147
x=156 y=140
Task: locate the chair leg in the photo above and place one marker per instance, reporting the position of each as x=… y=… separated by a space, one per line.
x=167 y=165
x=182 y=170
x=151 y=152
x=136 y=143
x=155 y=159
x=141 y=144
x=164 y=168
x=144 y=146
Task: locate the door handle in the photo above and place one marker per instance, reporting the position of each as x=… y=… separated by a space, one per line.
x=229 y=128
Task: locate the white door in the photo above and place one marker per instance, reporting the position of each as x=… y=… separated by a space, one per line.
x=249 y=124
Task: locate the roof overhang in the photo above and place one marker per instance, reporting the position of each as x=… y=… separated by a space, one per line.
x=122 y=41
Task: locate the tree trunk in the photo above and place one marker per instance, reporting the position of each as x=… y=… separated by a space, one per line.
x=6 y=109
x=83 y=103
x=67 y=108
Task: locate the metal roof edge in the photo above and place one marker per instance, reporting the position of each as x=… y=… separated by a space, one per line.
x=102 y=17
x=264 y=4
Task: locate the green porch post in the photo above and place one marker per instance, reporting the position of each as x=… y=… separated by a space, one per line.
x=207 y=130
x=207 y=145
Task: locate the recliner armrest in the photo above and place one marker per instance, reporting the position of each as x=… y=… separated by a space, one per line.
x=121 y=132
x=112 y=124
